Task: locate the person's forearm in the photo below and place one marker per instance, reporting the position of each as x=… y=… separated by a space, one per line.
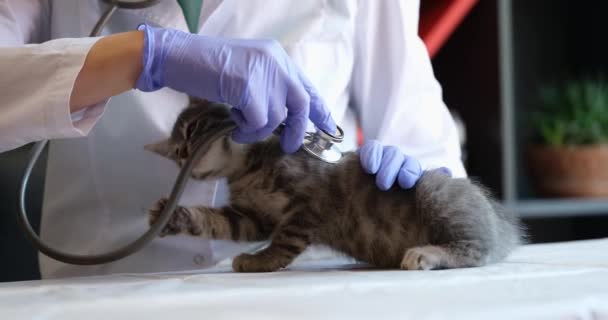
x=112 y=66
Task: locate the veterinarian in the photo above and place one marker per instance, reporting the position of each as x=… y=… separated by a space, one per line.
x=342 y=61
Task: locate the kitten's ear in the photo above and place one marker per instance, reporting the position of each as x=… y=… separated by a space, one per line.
x=162 y=148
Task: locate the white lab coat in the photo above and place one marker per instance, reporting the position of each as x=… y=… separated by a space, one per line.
x=362 y=54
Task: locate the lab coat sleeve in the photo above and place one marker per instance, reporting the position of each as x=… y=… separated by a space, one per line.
x=37 y=79
x=394 y=90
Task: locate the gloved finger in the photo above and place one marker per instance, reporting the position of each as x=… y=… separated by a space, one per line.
x=392 y=159
x=410 y=172
x=254 y=114
x=274 y=119
x=370 y=156
x=319 y=113
x=297 y=118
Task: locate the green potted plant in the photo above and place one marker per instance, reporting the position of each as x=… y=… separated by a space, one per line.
x=570 y=155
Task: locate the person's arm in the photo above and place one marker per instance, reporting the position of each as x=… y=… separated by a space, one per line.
x=58 y=89
x=256 y=77
x=37 y=79
x=112 y=66
x=394 y=89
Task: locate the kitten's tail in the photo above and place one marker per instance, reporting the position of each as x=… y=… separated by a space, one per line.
x=510 y=233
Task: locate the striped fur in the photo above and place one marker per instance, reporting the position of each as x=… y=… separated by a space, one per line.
x=296 y=200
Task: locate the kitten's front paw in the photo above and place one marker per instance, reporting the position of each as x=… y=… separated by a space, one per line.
x=422 y=258
x=252 y=263
x=179 y=222
x=156 y=210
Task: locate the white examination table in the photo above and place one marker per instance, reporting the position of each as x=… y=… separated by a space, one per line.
x=548 y=281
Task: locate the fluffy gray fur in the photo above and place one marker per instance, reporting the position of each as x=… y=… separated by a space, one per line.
x=296 y=200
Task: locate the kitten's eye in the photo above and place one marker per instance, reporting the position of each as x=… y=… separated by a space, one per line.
x=181 y=152
x=190 y=131
x=192 y=128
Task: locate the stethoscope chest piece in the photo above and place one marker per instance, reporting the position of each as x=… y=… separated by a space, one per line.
x=321 y=145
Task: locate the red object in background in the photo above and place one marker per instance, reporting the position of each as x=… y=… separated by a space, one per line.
x=438 y=20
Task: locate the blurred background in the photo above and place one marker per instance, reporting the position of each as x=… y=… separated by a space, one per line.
x=526 y=81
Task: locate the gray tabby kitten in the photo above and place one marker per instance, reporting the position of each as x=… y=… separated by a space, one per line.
x=296 y=200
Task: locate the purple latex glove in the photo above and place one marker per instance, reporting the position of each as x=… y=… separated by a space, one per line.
x=389 y=164
x=256 y=77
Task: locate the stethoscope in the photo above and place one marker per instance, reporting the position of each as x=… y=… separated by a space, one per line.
x=320 y=145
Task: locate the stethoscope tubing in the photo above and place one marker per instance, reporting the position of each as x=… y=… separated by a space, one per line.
x=130 y=248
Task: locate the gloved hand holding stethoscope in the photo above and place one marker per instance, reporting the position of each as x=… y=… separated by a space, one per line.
x=256 y=77
x=264 y=86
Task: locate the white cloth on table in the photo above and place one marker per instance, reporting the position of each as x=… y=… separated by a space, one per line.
x=546 y=281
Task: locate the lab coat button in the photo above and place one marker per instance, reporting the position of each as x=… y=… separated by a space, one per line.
x=199 y=259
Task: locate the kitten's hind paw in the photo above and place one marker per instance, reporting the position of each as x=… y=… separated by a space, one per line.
x=422 y=258
x=252 y=263
x=179 y=222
